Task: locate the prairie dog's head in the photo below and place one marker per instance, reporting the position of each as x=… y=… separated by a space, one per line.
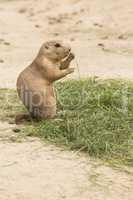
x=55 y=50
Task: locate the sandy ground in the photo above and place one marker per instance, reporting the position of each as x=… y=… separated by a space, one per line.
x=101 y=34
x=33 y=170
x=99 y=31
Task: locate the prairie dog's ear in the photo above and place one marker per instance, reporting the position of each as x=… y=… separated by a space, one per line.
x=46 y=46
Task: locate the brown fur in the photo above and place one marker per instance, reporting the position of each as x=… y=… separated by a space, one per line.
x=35 y=83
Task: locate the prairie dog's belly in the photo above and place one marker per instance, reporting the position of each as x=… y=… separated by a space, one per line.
x=38 y=97
x=43 y=103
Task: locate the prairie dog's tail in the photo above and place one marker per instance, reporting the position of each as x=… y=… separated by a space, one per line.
x=19 y=119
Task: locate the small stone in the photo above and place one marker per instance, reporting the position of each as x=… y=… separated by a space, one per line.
x=56 y=34
x=99 y=25
x=37 y=26
x=72 y=39
x=22 y=10
x=121 y=37
x=1 y=61
x=79 y=22
x=2 y=40
x=7 y=43
x=16 y=130
x=101 y=45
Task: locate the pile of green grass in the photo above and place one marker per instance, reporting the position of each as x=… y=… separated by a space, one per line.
x=93 y=116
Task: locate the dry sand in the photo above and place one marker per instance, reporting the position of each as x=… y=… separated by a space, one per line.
x=33 y=170
x=101 y=35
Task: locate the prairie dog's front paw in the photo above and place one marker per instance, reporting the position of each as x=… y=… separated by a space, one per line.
x=71 y=56
x=70 y=70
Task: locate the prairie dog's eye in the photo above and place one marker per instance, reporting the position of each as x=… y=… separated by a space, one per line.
x=57 y=45
x=46 y=47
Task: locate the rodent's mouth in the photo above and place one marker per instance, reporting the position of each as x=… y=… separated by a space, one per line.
x=68 y=53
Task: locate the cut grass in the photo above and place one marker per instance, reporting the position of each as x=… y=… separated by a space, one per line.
x=93 y=116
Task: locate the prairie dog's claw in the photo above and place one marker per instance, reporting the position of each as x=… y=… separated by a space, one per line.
x=71 y=56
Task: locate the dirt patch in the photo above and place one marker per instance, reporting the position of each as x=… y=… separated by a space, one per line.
x=31 y=170
x=25 y=25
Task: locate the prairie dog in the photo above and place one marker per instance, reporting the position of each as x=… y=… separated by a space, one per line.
x=35 y=82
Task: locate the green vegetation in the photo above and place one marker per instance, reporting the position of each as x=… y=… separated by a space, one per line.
x=93 y=116
x=9 y=104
